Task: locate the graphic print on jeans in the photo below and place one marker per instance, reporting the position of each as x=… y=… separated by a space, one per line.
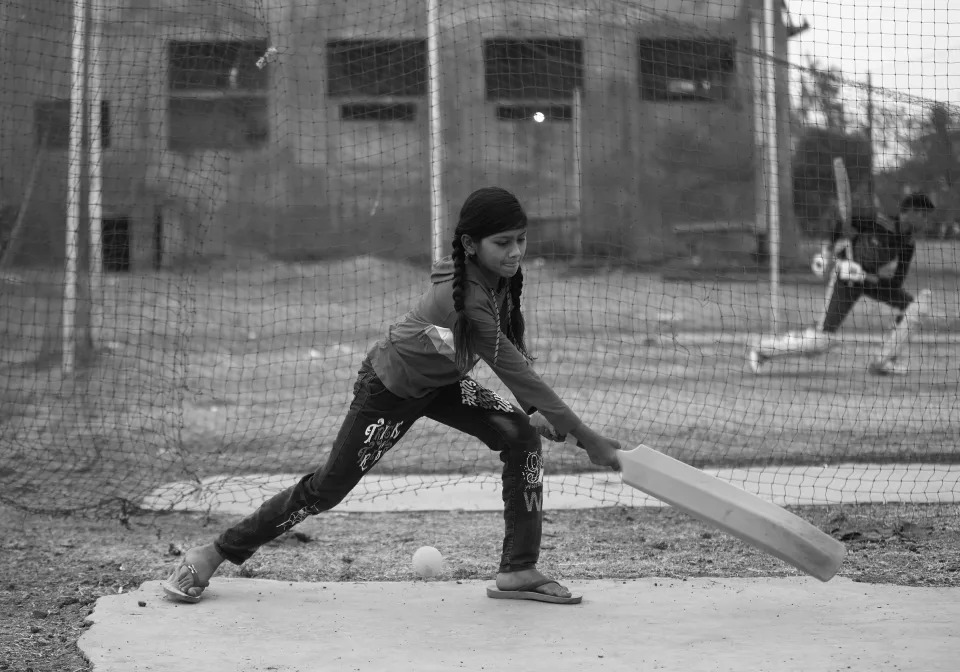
x=379 y=437
x=533 y=482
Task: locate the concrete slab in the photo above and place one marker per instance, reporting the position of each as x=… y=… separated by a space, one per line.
x=836 y=484
x=648 y=624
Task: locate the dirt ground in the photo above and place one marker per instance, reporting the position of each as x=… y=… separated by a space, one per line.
x=55 y=568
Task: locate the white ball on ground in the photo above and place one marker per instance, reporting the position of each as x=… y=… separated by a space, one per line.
x=427 y=562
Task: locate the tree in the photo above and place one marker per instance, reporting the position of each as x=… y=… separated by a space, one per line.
x=939 y=146
x=824 y=131
x=821 y=102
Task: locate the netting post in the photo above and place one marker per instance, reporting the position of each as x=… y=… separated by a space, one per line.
x=94 y=95
x=577 y=173
x=773 y=169
x=760 y=173
x=435 y=133
x=74 y=186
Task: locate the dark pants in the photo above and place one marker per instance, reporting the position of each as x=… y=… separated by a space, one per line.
x=844 y=295
x=375 y=422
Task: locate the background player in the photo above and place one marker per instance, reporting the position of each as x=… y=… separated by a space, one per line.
x=873 y=262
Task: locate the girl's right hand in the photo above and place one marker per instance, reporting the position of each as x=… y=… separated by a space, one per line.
x=601 y=450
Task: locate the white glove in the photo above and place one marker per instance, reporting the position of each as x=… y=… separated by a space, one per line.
x=850 y=271
x=819 y=264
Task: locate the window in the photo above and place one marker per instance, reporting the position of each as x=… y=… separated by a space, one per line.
x=537 y=69
x=378 y=76
x=218 y=95
x=685 y=69
x=217 y=66
x=378 y=112
x=51 y=123
x=534 y=112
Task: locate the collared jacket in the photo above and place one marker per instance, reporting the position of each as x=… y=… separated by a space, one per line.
x=417 y=356
x=882 y=233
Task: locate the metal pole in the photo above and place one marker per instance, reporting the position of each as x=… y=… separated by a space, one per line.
x=95 y=203
x=770 y=24
x=435 y=135
x=74 y=176
x=871 y=186
x=760 y=190
x=578 y=172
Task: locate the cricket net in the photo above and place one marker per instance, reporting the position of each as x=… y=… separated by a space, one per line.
x=210 y=211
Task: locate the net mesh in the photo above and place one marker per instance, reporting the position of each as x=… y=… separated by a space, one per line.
x=210 y=211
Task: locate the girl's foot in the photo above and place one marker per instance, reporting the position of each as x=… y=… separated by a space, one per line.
x=531 y=584
x=193 y=573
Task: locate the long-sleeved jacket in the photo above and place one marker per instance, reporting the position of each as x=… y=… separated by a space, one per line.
x=417 y=355
x=882 y=233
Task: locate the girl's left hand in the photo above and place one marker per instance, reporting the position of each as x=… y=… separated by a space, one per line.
x=544 y=428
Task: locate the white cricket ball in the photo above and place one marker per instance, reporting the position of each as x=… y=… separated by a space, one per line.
x=427 y=562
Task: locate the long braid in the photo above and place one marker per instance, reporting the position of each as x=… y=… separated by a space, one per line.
x=462 y=333
x=516 y=325
x=485 y=212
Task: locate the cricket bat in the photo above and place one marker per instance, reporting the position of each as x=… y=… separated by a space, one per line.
x=844 y=196
x=758 y=522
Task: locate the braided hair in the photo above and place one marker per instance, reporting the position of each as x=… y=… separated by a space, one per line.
x=486 y=211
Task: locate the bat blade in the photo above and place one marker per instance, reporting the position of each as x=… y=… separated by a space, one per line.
x=844 y=196
x=756 y=521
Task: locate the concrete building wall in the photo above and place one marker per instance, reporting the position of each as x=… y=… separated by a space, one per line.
x=323 y=186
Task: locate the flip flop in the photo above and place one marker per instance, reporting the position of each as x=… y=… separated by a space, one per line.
x=172 y=589
x=530 y=592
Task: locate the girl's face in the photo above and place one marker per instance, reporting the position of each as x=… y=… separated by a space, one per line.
x=499 y=255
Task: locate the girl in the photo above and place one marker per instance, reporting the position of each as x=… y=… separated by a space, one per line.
x=470 y=311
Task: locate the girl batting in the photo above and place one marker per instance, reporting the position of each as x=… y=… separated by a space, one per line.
x=419 y=369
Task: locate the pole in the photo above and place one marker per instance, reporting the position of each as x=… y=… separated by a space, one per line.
x=74 y=176
x=760 y=177
x=770 y=24
x=95 y=203
x=435 y=135
x=578 y=173
x=871 y=187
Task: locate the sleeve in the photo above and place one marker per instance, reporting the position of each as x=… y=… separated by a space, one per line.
x=904 y=259
x=511 y=367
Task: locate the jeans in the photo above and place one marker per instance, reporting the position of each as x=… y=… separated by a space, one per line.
x=376 y=420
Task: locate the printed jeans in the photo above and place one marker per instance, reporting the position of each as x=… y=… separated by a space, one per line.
x=375 y=422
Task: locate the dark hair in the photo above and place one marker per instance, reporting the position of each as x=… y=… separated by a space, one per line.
x=486 y=212
x=916 y=201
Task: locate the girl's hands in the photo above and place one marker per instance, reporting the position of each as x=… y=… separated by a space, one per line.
x=601 y=450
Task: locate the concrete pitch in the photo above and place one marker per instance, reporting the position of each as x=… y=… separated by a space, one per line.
x=745 y=624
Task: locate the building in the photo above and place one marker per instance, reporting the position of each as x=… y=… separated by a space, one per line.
x=325 y=150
